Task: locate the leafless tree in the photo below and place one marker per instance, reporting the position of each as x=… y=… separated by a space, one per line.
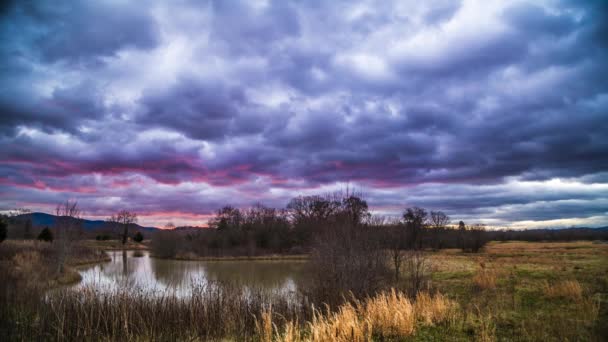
x=415 y=221
x=312 y=209
x=69 y=228
x=124 y=219
x=418 y=271
x=347 y=258
x=439 y=219
x=396 y=241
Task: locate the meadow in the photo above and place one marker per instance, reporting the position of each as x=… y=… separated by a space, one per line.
x=511 y=291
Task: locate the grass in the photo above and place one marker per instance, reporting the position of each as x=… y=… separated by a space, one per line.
x=34 y=262
x=567 y=289
x=527 y=291
x=386 y=316
x=513 y=291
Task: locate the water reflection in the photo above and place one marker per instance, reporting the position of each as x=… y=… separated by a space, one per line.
x=138 y=270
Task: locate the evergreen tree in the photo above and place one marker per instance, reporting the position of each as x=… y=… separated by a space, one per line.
x=46 y=235
x=138 y=237
x=3 y=229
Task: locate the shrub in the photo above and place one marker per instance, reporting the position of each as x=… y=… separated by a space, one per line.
x=46 y=235
x=348 y=259
x=138 y=237
x=166 y=243
x=417 y=267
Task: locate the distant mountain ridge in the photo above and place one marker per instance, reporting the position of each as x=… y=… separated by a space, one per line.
x=48 y=220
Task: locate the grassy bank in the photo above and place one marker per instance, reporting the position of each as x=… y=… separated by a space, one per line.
x=269 y=257
x=35 y=262
x=116 y=245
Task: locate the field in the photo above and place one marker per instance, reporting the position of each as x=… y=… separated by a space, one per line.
x=526 y=291
x=512 y=291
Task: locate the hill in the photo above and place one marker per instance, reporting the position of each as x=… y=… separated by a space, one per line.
x=48 y=220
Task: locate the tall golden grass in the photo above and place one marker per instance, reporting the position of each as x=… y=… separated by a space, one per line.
x=566 y=289
x=387 y=315
x=485 y=279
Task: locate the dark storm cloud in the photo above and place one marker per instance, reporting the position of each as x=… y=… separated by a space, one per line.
x=76 y=31
x=445 y=104
x=204 y=110
x=64 y=110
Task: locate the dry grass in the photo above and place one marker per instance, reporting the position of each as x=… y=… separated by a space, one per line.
x=567 y=289
x=387 y=315
x=484 y=279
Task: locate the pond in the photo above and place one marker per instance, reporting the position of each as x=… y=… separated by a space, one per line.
x=138 y=270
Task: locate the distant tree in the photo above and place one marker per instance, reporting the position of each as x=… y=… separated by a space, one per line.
x=462 y=235
x=138 y=237
x=170 y=225
x=477 y=238
x=439 y=219
x=312 y=209
x=356 y=209
x=46 y=235
x=437 y=236
x=415 y=220
x=124 y=219
x=227 y=218
x=461 y=226
x=3 y=229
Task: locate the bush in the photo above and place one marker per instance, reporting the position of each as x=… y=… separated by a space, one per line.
x=103 y=237
x=348 y=259
x=138 y=237
x=166 y=243
x=46 y=235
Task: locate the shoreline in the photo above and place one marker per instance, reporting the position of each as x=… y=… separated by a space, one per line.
x=270 y=257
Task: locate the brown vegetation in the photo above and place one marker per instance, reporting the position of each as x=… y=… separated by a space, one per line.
x=566 y=289
x=484 y=279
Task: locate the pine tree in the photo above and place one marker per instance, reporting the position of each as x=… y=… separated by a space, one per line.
x=46 y=235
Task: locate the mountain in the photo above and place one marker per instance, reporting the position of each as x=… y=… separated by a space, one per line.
x=44 y=220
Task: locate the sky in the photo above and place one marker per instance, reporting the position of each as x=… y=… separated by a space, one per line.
x=494 y=112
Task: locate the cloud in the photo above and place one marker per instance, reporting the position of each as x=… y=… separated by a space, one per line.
x=180 y=108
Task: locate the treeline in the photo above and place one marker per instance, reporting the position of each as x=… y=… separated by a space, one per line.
x=306 y=220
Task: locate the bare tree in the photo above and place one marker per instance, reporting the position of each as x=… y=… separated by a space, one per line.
x=418 y=270
x=439 y=219
x=415 y=220
x=312 y=209
x=69 y=227
x=438 y=222
x=124 y=219
x=396 y=243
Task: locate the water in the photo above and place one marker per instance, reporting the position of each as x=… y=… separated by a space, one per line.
x=137 y=270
